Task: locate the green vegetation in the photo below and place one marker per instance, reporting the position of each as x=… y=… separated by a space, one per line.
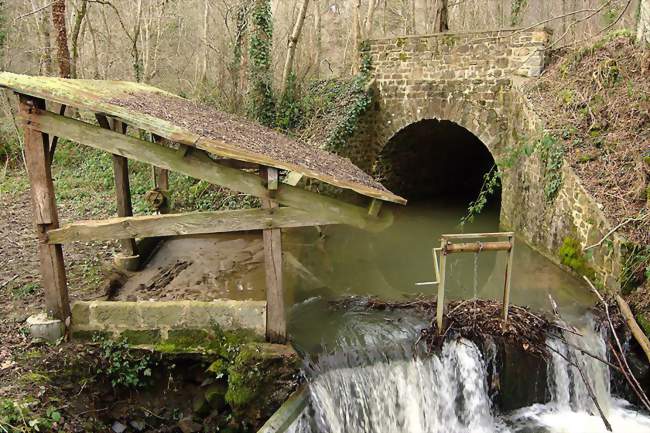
x=571 y=255
x=551 y=152
x=359 y=103
x=123 y=366
x=24 y=291
x=491 y=184
x=636 y=266
x=517 y=10
x=18 y=417
x=261 y=104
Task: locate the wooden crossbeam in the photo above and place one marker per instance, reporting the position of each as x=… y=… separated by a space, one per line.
x=200 y=166
x=193 y=223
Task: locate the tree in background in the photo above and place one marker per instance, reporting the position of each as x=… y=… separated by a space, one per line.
x=517 y=10
x=62 y=51
x=292 y=44
x=261 y=101
x=643 y=26
x=74 y=36
x=441 y=23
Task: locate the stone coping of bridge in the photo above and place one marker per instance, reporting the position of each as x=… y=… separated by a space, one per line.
x=509 y=32
x=152 y=322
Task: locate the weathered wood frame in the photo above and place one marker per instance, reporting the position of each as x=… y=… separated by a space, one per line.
x=447 y=246
x=305 y=208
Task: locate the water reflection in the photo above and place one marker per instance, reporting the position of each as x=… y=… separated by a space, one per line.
x=344 y=261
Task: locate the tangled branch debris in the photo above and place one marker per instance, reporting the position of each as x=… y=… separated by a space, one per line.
x=474 y=319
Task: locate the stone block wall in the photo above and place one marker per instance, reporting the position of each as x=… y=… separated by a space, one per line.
x=573 y=214
x=151 y=322
x=460 y=56
x=473 y=80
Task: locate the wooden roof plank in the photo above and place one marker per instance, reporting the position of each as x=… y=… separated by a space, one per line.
x=111 y=97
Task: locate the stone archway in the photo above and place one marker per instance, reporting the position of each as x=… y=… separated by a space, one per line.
x=428 y=141
x=431 y=159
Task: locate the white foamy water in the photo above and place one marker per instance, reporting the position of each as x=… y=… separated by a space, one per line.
x=447 y=393
x=572 y=410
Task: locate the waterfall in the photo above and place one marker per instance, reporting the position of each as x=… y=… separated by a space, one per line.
x=371 y=390
x=567 y=388
x=572 y=407
x=443 y=393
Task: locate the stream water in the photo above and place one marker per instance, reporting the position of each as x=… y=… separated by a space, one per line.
x=362 y=373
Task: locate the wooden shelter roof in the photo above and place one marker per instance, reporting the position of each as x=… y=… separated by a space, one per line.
x=193 y=124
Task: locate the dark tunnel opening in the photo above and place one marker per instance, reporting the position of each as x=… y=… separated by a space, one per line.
x=434 y=160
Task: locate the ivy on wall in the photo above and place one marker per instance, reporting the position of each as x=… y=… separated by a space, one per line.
x=362 y=100
x=516 y=11
x=261 y=100
x=551 y=153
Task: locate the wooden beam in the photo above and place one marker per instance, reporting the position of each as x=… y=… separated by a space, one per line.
x=123 y=190
x=200 y=166
x=233 y=163
x=184 y=224
x=276 y=321
x=292 y=178
x=52 y=267
x=375 y=207
x=476 y=247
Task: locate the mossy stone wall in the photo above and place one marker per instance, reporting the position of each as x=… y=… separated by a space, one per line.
x=473 y=80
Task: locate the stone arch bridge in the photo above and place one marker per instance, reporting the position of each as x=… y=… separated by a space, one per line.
x=450 y=84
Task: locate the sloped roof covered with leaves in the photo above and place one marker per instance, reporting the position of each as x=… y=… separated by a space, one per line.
x=187 y=122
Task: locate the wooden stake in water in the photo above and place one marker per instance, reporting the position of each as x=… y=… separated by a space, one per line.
x=440 y=302
x=506 y=287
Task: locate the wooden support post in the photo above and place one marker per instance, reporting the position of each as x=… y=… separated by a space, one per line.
x=123 y=191
x=440 y=302
x=37 y=158
x=508 y=277
x=161 y=175
x=161 y=178
x=375 y=207
x=276 y=322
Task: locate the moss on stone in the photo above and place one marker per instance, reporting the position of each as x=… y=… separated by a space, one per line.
x=403 y=56
x=88 y=336
x=255 y=372
x=141 y=337
x=449 y=40
x=35 y=378
x=644 y=323
x=218 y=368
x=571 y=255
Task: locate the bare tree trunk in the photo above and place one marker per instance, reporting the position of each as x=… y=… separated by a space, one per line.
x=206 y=47
x=317 y=37
x=93 y=37
x=293 y=43
x=135 y=51
x=74 y=36
x=372 y=7
x=62 y=51
x=43 y=27
x=441 y=23
x=356 y=34
x=643 y=26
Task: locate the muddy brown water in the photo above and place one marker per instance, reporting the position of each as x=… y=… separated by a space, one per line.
x=344 y=261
